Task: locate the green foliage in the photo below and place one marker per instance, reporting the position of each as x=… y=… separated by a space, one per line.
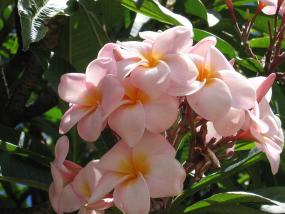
x=35 y=16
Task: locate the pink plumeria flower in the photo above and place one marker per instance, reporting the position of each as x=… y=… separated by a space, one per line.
x=147 y=170
x=76 y=194
x=269 y=7
x=262 y=125
x=139 y=112
x=219 y=86
x=73 y=185
x=63 y=172
x=92 y=96
x=159 y=65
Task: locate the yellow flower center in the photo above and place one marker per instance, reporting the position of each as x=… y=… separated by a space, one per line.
x=135 y=95
x=135 y=166
x=92 y=97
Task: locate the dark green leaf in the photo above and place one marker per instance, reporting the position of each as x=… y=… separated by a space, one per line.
x=22 y=170
x=253 y=157
x=155 y=10
x=197 y=8
x=229 y=198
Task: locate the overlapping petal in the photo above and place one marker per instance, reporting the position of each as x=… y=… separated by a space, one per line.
x=133 y=196
x=212 y=101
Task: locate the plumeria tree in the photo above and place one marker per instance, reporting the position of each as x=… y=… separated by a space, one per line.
x=146 y=106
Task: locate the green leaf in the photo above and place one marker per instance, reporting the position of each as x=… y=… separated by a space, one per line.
x=155 y=10
x=87 y=35
x=35 y=15
x=229 y=198
x=197 y=8
x=222 y=45
x=244 y=145
x=253 y=157
x=276 y=193
x=13 y=149
x=250 y=64
x=262 y=42
x=22 y=170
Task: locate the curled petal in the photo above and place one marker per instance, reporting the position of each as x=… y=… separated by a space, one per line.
x=132 y=116
x=212 y=101
x=161 y=113
x=270 y=148
x=230 y=123
x=72 y=116
x=98 y=69
x=152 y=145
x=90 y=126
x=243 y=93
x=172 y=40
x=72 y=88
x=108 y=50
x=61 y=150
x=202 y=47
x=132 y=196
x=165 y=172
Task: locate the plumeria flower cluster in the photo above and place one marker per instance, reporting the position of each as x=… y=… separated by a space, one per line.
x=137 y=88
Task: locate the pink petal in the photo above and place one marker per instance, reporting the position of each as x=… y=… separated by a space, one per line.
x=271 y=149
x=215 y=61
x=150 y=36
x=85 y=182
x=102 y=204
x=202 y=47
x=72 y=88
x=166 y=176
x=133 y=196
x=99 y=68
x=61 y=150
x=182 y=70
x=106 y=184
x=72 y=116
x=212 y=101
x=126 y=66
x=172 y=40
x=69 y=200
x=269 y=10
x=90 y=126
x=128 y=121
x=54 y=198
x=256 y=82
x=108 y=50
x=55 y=189
x=153 y=144
x=161 y=113
x=175 y=89
x=115 y=158
x=230 y=123
x=265 y=88
x=153 y=81
x=243 y=93
x=112 y=93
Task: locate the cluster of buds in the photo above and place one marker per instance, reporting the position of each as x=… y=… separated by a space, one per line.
x=140 y=89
